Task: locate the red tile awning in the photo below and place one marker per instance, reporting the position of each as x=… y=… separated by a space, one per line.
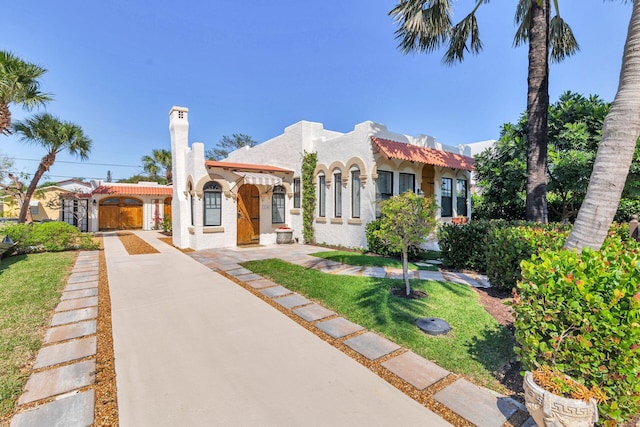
x=403 y=151
x=134 y=190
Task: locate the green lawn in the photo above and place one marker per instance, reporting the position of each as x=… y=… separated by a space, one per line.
x=30 y=287
x=476 y=346
x=356 y=258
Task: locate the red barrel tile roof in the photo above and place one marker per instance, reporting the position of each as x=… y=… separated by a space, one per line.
x=414 y=153
x=134 y=190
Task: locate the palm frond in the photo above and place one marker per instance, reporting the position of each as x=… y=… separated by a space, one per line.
x=561 y=39
x=464 y=30
x=423 y=25
x=523 y=20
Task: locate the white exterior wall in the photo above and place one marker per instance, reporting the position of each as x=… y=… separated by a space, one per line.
x=336 y=151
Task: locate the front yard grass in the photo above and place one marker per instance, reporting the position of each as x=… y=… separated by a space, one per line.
x=476 y=347
x=363 y=260
x=30 y=287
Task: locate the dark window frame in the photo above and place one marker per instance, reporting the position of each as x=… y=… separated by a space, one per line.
x=355 y=188
x=212 y=203
x=322 y=196
x=278 y=202
x=446 y=201
x=296 y=193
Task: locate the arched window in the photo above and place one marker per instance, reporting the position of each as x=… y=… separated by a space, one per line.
x=191 y=202
x=322 y=196
x=212 y=208
x=277 y=205
x=355 y=193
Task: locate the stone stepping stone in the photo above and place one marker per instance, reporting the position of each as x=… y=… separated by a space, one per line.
x=431 y=275
x=329 y=266
x=59 y=380
x=339 y=327
x=260 y=283
x=434 y=261
x=82 y=278
x=291 y=301
x=71 y=331
x=377 y=272
x=74 y=410
x=276 y=291
x=248 y=277
x=313 y=312
x=228 y=266
x=371 y=346
x=81 y=285
x=350 y=271
x=83 y=293
x=415 y=370
x=239 y=271
x=74 y=316
x=477 y=405
x=75 y=304
x=65 y=352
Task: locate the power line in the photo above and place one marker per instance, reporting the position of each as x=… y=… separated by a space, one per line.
x=79 y=163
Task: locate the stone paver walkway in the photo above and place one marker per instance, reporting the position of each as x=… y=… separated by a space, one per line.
x=57 y=393
x=478 y=405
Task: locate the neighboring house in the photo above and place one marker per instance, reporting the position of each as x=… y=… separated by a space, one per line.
x=477 y=148
x=64 y=202
x=121 y=206
x=98 y=205
x=256 y=190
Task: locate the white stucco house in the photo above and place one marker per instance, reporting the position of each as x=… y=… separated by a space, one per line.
x=247 y=197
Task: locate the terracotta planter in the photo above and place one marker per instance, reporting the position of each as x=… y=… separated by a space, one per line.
x=550 y=410
x=284 y=236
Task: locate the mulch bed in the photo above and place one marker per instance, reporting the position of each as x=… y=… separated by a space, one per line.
x=135 y=245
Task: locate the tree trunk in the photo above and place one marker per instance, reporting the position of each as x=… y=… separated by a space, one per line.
x=44 y=166
x=405 y=270
x=537 y=110
x=619 y=135
x=5 y=118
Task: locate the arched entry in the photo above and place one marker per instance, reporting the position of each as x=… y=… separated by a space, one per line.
x=117 y=213
x=248 y=215
x=428 y=180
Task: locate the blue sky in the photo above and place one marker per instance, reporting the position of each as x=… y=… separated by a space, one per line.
x=254 y=67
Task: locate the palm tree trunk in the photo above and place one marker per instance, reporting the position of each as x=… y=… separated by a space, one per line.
x=537 y=110
x=5 y=118
x=44 y=166
x=405 y=270
x=615 y=153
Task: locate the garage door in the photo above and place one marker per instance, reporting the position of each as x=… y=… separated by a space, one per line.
x=119 y=213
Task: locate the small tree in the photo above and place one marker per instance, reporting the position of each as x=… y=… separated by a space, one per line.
x=407 y=220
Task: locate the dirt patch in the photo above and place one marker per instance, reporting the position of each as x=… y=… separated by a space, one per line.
x=135 y=245
x=495 y=302
x=402 y=293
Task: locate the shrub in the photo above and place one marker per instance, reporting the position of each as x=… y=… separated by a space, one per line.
x=580 y=312
x=507 y=246
x=463 y=247
x=48 y=237
x=377 y=246
x=626 y=208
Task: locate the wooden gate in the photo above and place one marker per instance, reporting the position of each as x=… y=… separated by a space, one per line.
x=118 y=213
x=248 y=215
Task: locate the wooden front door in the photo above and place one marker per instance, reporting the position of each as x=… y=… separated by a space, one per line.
x=117 y=213
x=248 y=215
x=167 y=208
x=428 y=180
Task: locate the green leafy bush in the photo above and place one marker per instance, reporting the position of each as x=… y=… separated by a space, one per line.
x=463 y=247
x=580 y=312
x=377 y=246
x=626 y=208
x=47 y=237
x=506 y=247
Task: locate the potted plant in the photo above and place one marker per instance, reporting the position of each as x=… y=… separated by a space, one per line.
x=284 y=234
x=555 y=399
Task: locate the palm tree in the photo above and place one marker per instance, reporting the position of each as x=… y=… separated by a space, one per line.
x=425 y=25
x=19 y=84
x=620 y=132
x=55 y=136
x=158 y=161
